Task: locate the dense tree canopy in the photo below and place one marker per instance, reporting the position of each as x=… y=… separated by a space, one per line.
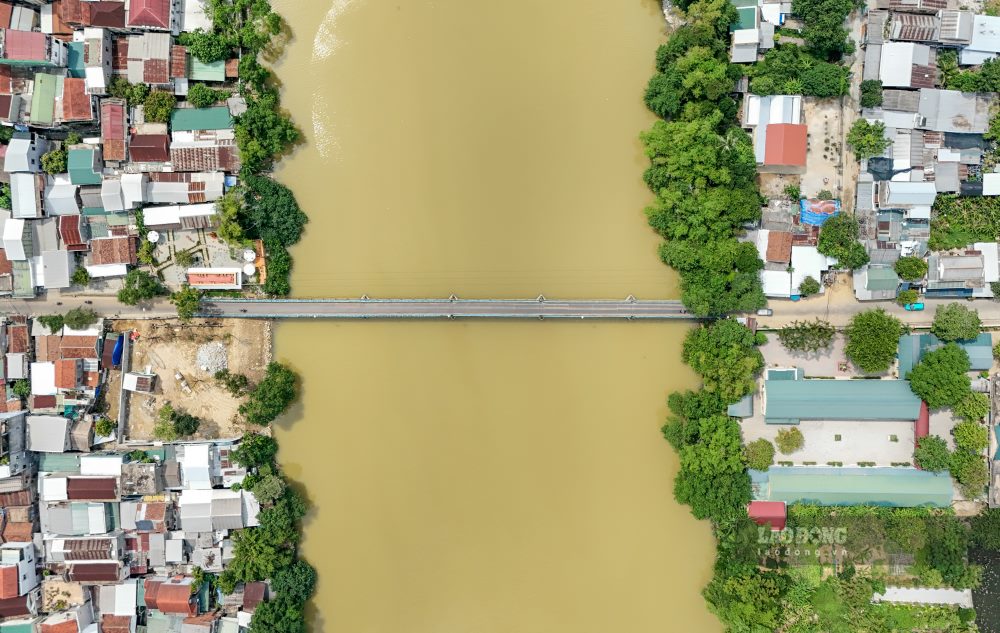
x=911 y=268
x=188 y=301
x=932 y=454
x=871 y=93
x=759 y=454
x=807 y=336
x=139 y=286
x=272 y=396
x=712 y=477
x=872 y=339
x=956 y=322
x=255 y=450
x=986 y=529
x=717 y=278
x=824 y=32
x=867 y=139
x=839 y=238
x=940 y=377
x=789 y=69
x=973 y=407
x=971 y=436
x=725 y=354
x=158 y=106
x=80 y=318
x=270 y=211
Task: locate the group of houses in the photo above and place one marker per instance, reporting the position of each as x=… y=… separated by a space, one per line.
x=106 y=540
x=57 y=63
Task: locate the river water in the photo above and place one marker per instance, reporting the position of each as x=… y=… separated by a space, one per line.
x=488 y=477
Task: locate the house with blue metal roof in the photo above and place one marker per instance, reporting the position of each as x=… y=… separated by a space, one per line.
x=892 y=487
x=912 y=348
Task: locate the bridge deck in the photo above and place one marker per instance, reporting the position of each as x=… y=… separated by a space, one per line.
x=442 y=308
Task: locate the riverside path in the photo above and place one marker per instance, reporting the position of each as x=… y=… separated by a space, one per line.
x=452 y=308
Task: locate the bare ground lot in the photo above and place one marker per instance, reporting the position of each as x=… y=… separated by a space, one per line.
x=165 y=347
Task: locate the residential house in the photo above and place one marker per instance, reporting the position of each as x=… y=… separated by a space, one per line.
x=914 y=27
x=13 y=443
x=76 y=620
x=149 y=59
x=965 y=274
x=56 y=269
x=114 y=130
x=31 y=48
x=201 y=124
x=912 y=347
x=149 y=149
x=956 y=27
x=48 y=433
x=153 y=15
x=73 y=103
x=24 y=153
x=954 y=111
x=984 y=43
x=96 y=58
x=189 y=216
x=84 y=165
x=139 y=382
x=217 y=509
x=907 y=65
x=61 y=196
x=26 y=193
x=73 y=233
x=184 y=188
x=875 y=283
x=117 y=606
x=905 y=195
x=111 y=256
x=779 y=137
x=170 y=595
x=749 y=35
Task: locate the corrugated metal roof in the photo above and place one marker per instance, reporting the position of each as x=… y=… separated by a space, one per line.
x=893 y=487
x=854 y=400
x=190 y=119
x=43 y=98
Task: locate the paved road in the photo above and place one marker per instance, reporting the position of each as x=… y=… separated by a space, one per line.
x=444 y=308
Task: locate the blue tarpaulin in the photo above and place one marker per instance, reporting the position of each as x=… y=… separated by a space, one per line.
x=816 y=212
x=116 y=356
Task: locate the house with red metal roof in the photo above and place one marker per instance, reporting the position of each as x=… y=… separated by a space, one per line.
x=772 y=513
x=114 y=129
x=31 y=48
x=153 y=15
x=75 y=620
x=785 y=148
x=171 y=595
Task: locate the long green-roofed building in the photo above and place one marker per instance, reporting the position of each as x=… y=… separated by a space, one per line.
x=912 y=348
x=790 y=401
x=43 y=98
x=190 y=119
x=894 y=487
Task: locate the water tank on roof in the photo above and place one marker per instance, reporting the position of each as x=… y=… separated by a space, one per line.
x=249 y=270
x=249 y=255
x=153 y=236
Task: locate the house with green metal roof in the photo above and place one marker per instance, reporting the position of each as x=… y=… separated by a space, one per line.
x=43 y=98
x=202 y=71
x=84 y=165
x=197 y=119
x=75 y=63
x=892 y=487
x=912 y=348
x=20 y=626
x=790 y=401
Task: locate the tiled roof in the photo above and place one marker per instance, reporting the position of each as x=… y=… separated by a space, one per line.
x=47 y=348
x=178 y=62
x=77 y=104
x=6 y=267
x=113 y=129
x=149 y=148
x=8 y=582
x=119 y=53
x=69 y=625
x=17 y=339
x=43 y=402
x=14 y=607
x=6 y=9
x=785 y=144
x=155 y=71
x=19 y=498
x=232 y=68
x=66 y=373
x=18 y=531
x=115 y=623
x=215 y=158
x=153 y=13
x=170 y=597
x=113 y=250
x=70 y=11
x=779 y=247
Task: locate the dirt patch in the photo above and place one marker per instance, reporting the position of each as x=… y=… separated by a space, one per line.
x=168 y=347
x=773 y=185
x=824 y=118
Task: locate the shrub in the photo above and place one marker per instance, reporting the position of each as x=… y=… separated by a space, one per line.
x=80 y=318
x=54 y=161
x=185 y=424
x=986 y=529
x=807 y=336
x=871 y=93
x=134 y=94
x=80 y=276
x=164 y=431
x=906 y=297
x=272 y=396
x=54 y=322
x=790 y=440
x=201 y=96
x=759 y=454
x=793 y=192
x=22 y=388
x=867 y=139
x=973 y=407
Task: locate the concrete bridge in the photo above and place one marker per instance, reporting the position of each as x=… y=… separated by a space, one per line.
x=451 y=308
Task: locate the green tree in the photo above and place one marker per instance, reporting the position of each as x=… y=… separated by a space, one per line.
x=986 y=529
x=911 y=268
x=971 y=436
x=263 y=132
x=205 y=46
x=166 y=413
x=789 y=440
x=22 y=388
x=725 y=354
x=297 y=582
x=717 y=278
x=839 y=238
x=201 y=96
x=228 y=209
x=280 y=615
x=809 y=286
x=712 y=478
x=268 y=488
x=139 y=286
x=255 y=450
x=54 y=161
x=906 y=297
x=807 y=336
x=270 y=212
x=872 y=339
x=184 y=259
x=80 y=318
x=824 y=31
x=948 y=541
x=272 y=396
x=5 y=201
x=185 y=424
x=867 y=139
x=932 y=454
x=54 y=322
x=971 y=471
x=188 y=302
x=973 y=407
x=165 y=431
x=940 y=377
x=748 y=601
x=955 y=322
x=105 y=427
x=158 y=106
x=279 y=270
x=871 y=93
x=759 y=454
x=134 y=94
x=80 y=276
